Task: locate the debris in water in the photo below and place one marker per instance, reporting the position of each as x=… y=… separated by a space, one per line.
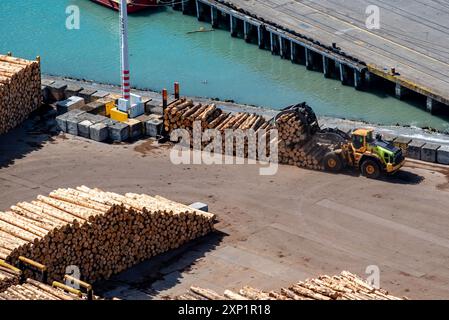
x=202 y=29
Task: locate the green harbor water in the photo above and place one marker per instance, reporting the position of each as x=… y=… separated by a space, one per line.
x=209 y=64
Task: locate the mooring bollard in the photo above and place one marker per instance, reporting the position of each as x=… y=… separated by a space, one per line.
x=176 y=90
x=164 y=99
x=164 y=133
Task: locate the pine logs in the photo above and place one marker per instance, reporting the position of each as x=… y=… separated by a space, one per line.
x=295 y=146
x=345 y=286
x=8 y=278
x=102 y=233
x=182 y=114
x=20 y=90
x=34 y=290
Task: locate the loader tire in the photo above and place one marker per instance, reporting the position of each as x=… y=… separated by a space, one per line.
x=332 y=162
x=371 y=169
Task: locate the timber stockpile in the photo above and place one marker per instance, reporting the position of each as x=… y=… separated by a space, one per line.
x=20 y=90
x=345 y=286
x=102 y=233
x=296 y=125
x=8 y=276
x=297 y=128
x=182 y=114
x=35 y=290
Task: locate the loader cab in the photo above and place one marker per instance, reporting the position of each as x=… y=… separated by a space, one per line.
x=360 y=139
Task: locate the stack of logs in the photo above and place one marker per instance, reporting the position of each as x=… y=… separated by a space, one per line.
x=295 y=147
x=8 y=278
x=34 y=290
x=345 y=286
x=20 y=90
x=182 y=114
x=100 y=232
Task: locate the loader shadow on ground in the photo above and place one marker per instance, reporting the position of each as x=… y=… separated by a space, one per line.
x=404 y=177
x=401 y=177
x=145 y=280
x=39 y=128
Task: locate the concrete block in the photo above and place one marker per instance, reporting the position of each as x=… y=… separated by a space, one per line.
x=100 y=95
x=75 y=117
x=123 y=105
x=402 y=143
x=88 y=108
x=96 y=107
x=144 y=118
x=84 y=128
x=388 y=137
x=103 y=105
x=135 y=128
x=72 y=125
x=57 y=90
x=47 y=82
x=92 y=117
x=75 y=113
x=153 y=127
x=146 y=100
x=114 y=96
x=99 y=132
x=136 y=110
x=109 y=122
x=86 y=120
x=200 y=206
x=429 y=152
x=118 y=132
x=156 y=117
x=69 y=104
x=45 y=94
x=134 y=98
x=87 y=94
x=152 y=108
x=72 y=90
x=414 y=149
x=62 y=122
x=443 y=154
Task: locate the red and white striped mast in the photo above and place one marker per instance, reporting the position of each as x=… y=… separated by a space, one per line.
x=124 y=50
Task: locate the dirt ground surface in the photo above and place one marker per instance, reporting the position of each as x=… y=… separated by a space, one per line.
x=272 y=230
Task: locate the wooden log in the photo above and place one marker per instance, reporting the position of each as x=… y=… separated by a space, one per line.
x=234 y=296
x=208 y=294
x=192 y=110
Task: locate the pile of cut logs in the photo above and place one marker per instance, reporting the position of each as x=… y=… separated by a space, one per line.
x=182 y=114
x=102 y=233
x=8 y=278
x=307 y=155
x=294 y=146
x=345 y=286
x=34 y=290
x=20 y=90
